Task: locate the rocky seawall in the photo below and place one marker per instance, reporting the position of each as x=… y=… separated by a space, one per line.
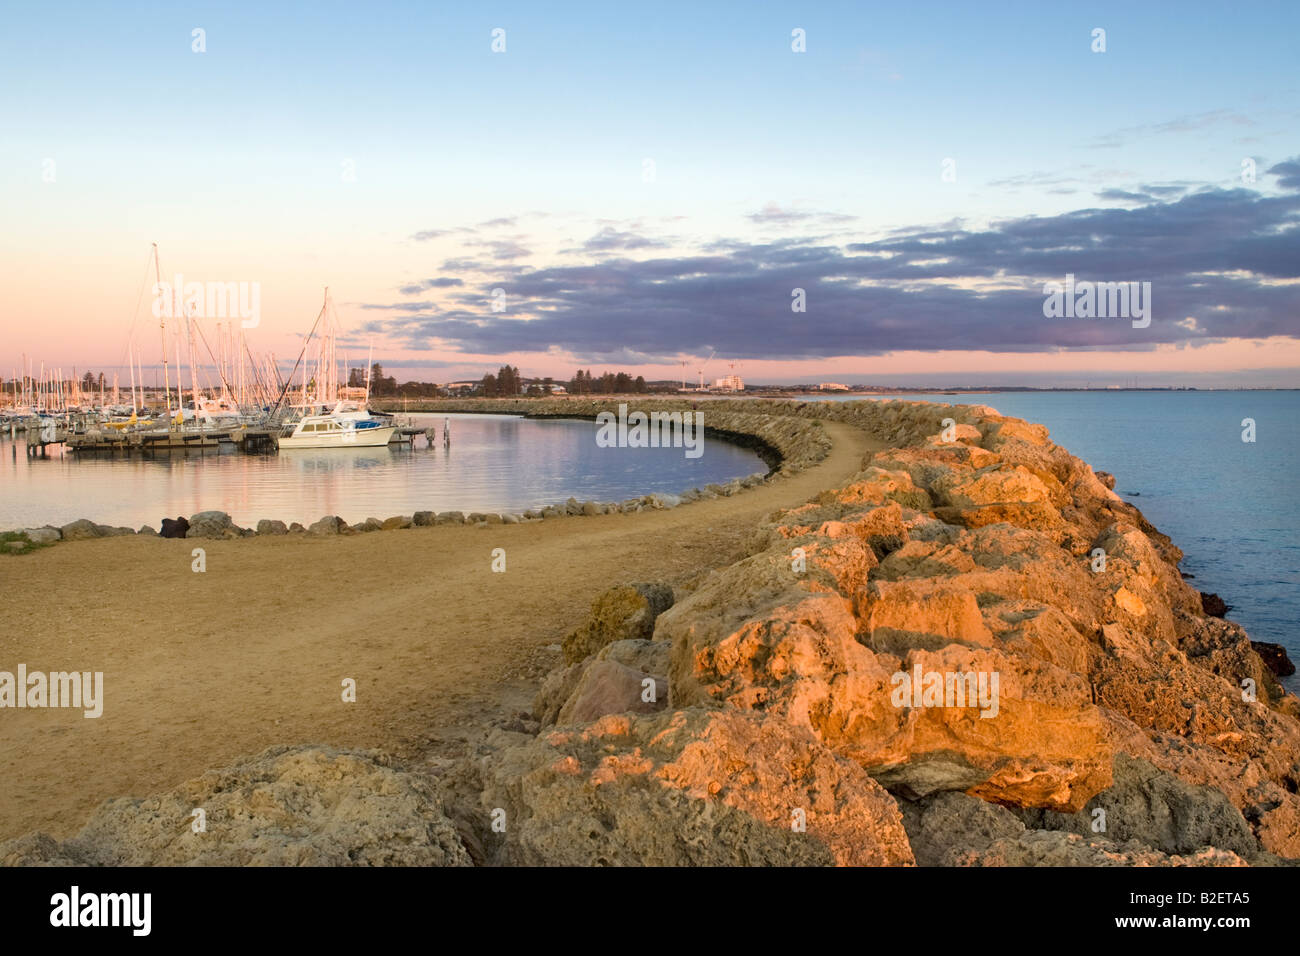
x=972 y=653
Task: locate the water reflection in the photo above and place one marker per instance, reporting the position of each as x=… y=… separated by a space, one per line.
x=493 y=463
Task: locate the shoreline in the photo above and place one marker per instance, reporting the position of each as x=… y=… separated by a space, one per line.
x=785 y=453
x=902 y=529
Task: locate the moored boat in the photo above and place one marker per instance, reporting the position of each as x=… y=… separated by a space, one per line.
x=339 y=429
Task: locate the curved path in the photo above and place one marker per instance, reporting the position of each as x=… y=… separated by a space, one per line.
x=201 y=669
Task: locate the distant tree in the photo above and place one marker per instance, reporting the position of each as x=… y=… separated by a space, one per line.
x=639 y=385
x=548 y=384
x=489 y=385
x=508 y=381
x=622 y=383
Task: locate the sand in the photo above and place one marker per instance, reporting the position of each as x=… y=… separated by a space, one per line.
x=200 y=669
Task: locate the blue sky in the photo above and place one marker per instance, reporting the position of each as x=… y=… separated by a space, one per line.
x=231 y=159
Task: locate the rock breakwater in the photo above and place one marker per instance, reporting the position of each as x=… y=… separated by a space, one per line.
x=752 y=716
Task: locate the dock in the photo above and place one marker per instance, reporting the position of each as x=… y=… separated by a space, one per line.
x=112 y=441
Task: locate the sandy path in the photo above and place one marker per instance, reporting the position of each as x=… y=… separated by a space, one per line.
x=201 y=669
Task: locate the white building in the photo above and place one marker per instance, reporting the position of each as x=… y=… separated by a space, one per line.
x=729 y=383
x=833 y=387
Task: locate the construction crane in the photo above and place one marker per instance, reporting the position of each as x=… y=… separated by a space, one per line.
x=701 y=369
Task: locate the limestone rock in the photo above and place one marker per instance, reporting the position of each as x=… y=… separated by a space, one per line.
x=81 y=530
x=1213 y=605
x=310 y=806
x=1156 y=809
x=213 y=524
x=609 y=687
x=1274 y=656
x=621 y=613
x=686 y=789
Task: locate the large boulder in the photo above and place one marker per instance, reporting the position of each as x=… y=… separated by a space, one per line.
x=310 y=806
x=81 y=530
x=213 y=524
x=608 y=687
x=695 y=788
x=174 y=527
x=621 y=613
x=1157 y=809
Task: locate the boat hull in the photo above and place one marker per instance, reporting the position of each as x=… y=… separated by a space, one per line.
x=350 y=438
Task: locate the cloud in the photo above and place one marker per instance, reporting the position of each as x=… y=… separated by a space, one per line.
x=774 y=214
x=1226 y=258
x=1145 y=194
x=1287 y=173
x=401 y=306
x=443 y=282
x=503 y=249
x=1181 y=124
x=610 y=239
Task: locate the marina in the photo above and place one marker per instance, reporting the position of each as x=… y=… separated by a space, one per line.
x=88 y=438
x=489 y=463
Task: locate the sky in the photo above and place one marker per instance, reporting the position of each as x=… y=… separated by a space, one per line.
x=645 y=187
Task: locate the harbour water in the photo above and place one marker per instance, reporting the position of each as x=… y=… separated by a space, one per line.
x=494 y=463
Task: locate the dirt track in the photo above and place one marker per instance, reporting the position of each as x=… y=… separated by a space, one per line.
x=200 y=669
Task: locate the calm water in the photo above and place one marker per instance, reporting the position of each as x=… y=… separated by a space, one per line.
x=1231 y=506
x=495 y=463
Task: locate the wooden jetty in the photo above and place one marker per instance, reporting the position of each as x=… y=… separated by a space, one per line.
x=112 y=441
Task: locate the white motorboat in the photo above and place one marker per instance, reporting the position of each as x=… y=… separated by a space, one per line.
x=339 y=429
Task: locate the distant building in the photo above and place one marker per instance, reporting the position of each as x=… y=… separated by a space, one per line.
x=729 y=383
x=833 y=387
x=463 y=388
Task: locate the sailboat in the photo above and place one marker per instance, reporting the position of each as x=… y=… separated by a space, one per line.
x=334 y=415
